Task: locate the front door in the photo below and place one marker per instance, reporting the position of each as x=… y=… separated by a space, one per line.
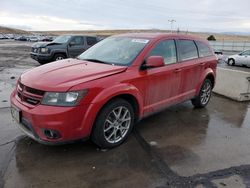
x=76 y=46
x=163 y=82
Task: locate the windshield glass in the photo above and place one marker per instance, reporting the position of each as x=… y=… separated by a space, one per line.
x=62 y=39
x=115 y=50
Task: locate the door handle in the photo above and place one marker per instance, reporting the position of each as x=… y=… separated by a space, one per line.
x=202 y=64
x=177 y=70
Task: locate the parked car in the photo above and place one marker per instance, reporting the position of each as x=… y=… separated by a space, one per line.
x=21 y=38
x=47 y=39
x=111 y=86
x=33 y=39
x=62 y=47
x=2 y=37
x=219 y=55
x=242 y=58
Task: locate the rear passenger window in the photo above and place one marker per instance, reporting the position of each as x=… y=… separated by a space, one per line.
x=187 y=50
x=91 y=41
x=167 y=50
x=204 y=50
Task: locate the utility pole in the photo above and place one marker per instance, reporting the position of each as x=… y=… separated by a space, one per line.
x=171 y=22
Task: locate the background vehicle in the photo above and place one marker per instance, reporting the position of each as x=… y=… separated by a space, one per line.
x=33 y=39
x=47 y=39
x=219 y=55
x=62 y=47
x=242 y=58
x=21 y=38
x=111 y=86
x=3 y=37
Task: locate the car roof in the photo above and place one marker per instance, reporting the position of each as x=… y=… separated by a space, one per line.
x=78 y=35
x=156 y=36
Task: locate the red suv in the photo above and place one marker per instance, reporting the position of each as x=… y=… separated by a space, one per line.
x=111 y=86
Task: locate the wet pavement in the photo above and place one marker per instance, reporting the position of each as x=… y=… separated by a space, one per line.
x=179 y=147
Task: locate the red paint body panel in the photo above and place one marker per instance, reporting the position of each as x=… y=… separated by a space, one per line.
x=153 y=89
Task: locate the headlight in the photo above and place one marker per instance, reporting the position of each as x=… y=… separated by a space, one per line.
x=44 y=50
x=71 y=98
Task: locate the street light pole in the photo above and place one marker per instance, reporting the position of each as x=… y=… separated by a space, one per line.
x=172 y=22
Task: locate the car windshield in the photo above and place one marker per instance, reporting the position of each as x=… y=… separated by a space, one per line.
x=115 y=50
x=62 y=39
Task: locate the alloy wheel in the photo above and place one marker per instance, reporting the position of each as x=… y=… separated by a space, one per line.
x=117 y=124
x=206 y=93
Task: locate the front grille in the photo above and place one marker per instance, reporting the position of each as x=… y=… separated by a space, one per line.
x=29 y=95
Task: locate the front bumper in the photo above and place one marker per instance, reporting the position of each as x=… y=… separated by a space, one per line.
x=68 y=121
x=41 y=57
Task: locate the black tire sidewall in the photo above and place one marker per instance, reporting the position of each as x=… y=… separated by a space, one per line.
x=98 y=133
x=59 y=55
x=232 y=62
x=210 y=83
x=197 y=100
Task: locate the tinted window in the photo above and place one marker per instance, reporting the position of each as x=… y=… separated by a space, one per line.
x=77 y=40
x=91 y=41
x=187 y=49
x=167 y=50
x=204 y=50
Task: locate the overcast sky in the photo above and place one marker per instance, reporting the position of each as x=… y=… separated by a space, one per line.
x=191 y=15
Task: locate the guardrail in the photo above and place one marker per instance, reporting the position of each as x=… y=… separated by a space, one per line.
x=233 y=46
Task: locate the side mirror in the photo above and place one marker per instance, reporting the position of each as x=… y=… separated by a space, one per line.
x=154 y=61
x=72 y=43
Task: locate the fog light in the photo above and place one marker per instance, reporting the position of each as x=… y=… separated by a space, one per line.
x=51 y=134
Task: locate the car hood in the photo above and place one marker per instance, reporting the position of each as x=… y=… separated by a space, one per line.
x=44 y=44
x=64 y=74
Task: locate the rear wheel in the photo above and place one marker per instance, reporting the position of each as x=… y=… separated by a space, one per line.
x=204 y=96
x=113 y=124
x=58 y=57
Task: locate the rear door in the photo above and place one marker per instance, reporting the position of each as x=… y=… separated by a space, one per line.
x=76 y=46
x=163 y=82
x=190 y=68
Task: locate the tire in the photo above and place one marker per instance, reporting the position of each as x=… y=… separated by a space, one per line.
x=231 y=62
x=41 y=62
x=112 y=129
x=204 y=95
x=58 y=57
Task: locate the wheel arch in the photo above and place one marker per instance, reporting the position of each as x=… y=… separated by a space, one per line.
x=126 y=92
x=208 y=74
x=56 y=52
x=211 y=78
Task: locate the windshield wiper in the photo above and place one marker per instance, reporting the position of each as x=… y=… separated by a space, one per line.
x=97 y=61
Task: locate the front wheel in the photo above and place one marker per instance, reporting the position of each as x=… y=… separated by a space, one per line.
x=58 y=57
x=231 y=62
x=204 y=95
x=113 y=124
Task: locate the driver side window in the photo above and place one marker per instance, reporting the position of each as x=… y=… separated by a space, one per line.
x=78 y=40
x=167 y=50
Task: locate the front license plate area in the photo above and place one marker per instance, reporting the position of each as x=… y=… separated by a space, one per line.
x=16 y=113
